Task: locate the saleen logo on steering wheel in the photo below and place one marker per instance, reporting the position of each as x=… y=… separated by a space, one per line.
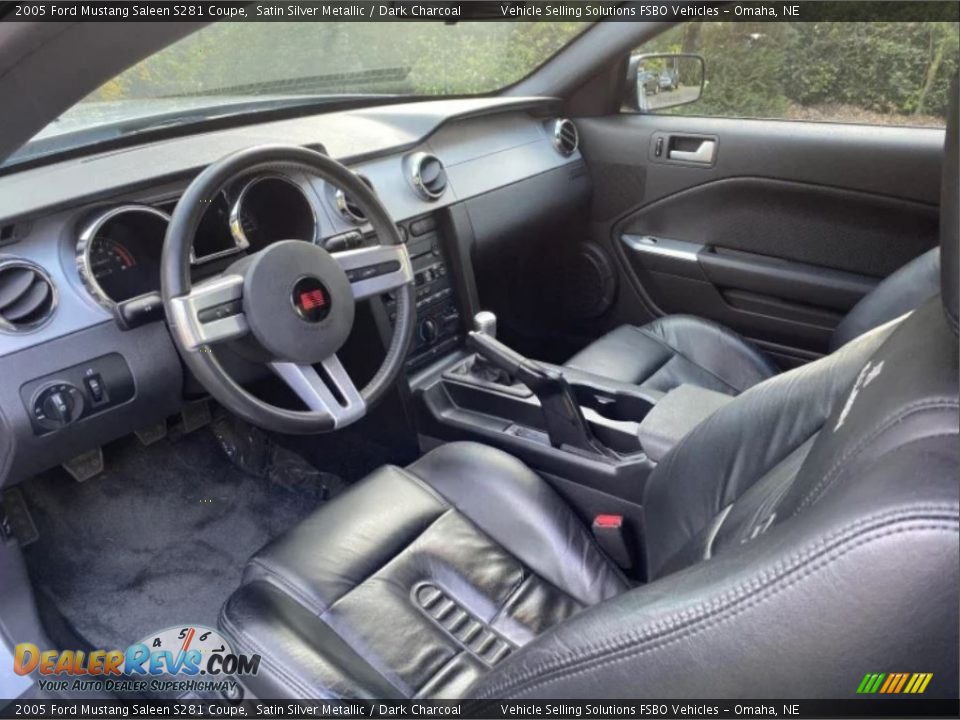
x=311 y=299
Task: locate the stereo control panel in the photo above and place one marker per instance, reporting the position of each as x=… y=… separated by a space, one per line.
x=439 y=328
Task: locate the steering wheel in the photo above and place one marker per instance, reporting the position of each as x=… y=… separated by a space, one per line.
x=291 y=304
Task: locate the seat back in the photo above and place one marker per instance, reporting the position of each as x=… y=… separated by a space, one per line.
x=905 y=290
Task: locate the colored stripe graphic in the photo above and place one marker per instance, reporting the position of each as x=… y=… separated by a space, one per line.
x=870 y=683
x=901 y=683
x=894 y=683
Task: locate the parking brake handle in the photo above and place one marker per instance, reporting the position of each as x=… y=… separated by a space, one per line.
x=565 y=423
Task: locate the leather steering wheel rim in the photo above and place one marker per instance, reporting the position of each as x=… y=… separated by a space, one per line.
x=176 y=285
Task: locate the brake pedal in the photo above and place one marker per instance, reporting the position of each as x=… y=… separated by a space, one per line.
x=15 y=519
x=85 y=466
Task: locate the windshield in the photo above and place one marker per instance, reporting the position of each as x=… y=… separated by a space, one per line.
x=232 y=68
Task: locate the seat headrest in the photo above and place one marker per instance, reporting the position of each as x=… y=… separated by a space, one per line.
x=949 y=201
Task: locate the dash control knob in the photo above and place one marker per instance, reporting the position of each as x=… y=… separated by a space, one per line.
x=428 y=330
x=57 y=405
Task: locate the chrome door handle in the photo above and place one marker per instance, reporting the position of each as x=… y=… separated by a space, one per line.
x=703 y=154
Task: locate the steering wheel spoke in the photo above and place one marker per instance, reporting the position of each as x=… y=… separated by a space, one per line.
x=376 y=270
x=329 y=391
x=211 y=313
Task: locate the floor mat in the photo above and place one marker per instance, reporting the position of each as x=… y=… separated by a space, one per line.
x=161 y=538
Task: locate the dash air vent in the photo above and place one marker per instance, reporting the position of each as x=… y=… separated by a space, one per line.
x=427 y=175
x=566 y=139
x=27 y=296
x=348 y=208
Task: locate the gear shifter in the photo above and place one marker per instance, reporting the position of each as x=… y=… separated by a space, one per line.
x=485 y=323
x=565 y=423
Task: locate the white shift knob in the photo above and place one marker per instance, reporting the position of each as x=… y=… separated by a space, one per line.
x=485 y=323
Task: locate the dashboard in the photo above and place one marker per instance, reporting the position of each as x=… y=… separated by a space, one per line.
x=81 y=241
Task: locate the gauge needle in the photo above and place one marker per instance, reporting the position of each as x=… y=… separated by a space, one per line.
x=187 y=639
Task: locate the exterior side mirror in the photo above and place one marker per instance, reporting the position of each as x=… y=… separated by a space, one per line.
x=659 y=81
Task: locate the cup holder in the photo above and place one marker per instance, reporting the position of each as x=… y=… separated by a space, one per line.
x=620 y=407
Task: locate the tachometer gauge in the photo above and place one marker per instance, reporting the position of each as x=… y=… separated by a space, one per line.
x=118 y=254
x=108 y=257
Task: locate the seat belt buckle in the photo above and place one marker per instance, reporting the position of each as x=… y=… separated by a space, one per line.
x=613 y=536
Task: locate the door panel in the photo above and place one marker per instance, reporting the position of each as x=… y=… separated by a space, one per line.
x=776 y=229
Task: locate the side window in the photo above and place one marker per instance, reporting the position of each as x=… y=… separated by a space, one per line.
x=850 y=72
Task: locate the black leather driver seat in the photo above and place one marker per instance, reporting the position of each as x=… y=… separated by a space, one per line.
x=806 y=533
x=683 y=349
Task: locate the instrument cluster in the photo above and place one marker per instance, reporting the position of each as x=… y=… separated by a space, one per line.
x=118 y=251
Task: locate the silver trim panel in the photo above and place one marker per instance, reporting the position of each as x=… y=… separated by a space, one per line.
x=676 y=249
x=185 y=310
x=85 y=243
x=236 y=226
x=365 y=257
x=315 y=392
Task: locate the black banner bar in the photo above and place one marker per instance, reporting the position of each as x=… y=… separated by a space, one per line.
x=482 y=10
x=507 y=709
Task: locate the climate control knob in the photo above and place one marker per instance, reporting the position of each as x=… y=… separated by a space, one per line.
x=428 y=330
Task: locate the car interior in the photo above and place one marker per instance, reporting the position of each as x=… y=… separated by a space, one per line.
x=550 y=399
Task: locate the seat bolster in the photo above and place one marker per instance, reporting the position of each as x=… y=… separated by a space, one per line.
x=344 y=542
x=676 y=350
x=300 y=655
x=903 y=291
x=518 y=510
x=624 y=354
x=732 y=363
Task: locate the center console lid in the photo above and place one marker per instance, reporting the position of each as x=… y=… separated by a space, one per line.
x=676 y=414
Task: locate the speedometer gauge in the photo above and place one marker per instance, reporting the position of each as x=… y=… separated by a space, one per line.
x=118 y=254
x=270 y=208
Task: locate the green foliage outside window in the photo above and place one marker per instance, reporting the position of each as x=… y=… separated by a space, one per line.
x=896 y=73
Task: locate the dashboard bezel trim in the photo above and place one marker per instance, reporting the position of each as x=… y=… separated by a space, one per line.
x=85 y=242
x=236 y=227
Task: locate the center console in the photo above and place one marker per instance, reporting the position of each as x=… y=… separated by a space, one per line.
x=439 y=328
x=576 y=427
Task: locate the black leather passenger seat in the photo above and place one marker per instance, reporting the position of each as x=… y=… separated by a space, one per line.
x=683 y=349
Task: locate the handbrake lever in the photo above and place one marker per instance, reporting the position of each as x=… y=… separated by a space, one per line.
x=564 y=419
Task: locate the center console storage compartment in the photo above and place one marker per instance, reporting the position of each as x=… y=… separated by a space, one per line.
x=612 y=414
x=612 y=405
x=675 y=415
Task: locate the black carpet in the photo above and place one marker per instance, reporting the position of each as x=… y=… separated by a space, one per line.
x=161 y=538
